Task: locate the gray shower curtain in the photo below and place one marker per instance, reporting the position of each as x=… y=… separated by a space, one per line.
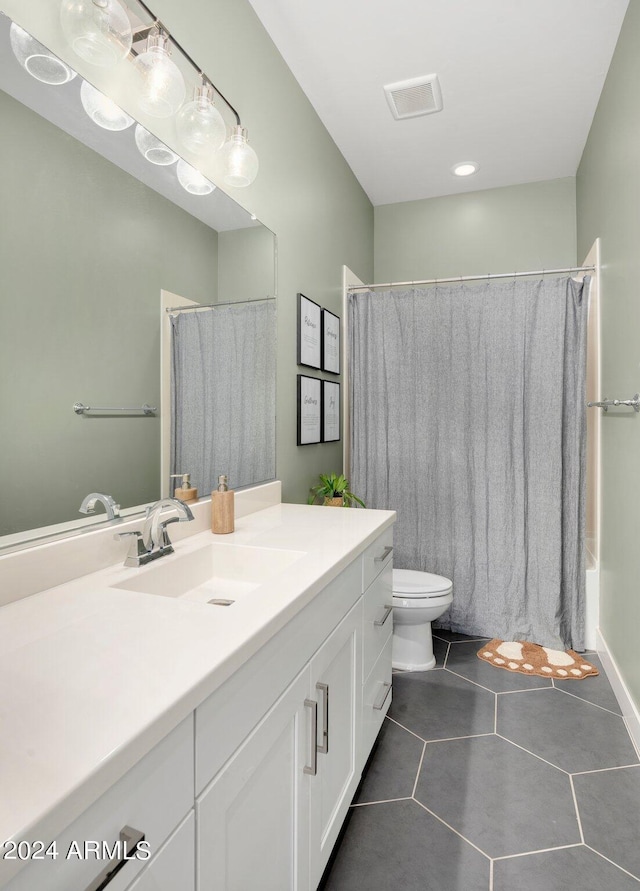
x=468 y=418
x=223 y=394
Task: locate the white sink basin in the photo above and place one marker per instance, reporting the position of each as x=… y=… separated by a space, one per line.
x=215 y=571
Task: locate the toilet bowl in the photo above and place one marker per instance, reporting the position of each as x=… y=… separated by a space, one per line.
x=419 y=598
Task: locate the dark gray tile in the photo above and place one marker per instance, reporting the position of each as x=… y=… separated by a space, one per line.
x=609 y=807
x=559 y=871
x=393 y=768
x=595 y=688
x=502 y=799
x=463 y=659
x=399 y=845
x=439 y=705
x=566 y=731
x=454 y=636
x=440 y=650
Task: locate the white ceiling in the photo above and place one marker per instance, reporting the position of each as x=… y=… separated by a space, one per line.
x=520 y=82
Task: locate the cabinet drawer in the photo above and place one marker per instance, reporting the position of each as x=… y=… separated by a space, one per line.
x=376 y=699
x=174 y=865
x=153 y=797
x=377 y=619
x=377 y=557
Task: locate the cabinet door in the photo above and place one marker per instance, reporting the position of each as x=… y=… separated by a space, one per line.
x=336 y=684
x=253 y=818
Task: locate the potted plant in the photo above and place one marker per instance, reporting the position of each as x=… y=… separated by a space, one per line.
x=334 y=490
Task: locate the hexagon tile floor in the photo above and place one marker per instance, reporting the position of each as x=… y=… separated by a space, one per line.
x=486 y=780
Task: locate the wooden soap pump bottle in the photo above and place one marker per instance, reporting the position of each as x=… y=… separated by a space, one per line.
x=222 y=508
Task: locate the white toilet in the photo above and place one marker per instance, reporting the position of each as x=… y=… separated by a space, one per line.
x=419 y=598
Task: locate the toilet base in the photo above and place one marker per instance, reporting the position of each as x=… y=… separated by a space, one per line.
x=412 y=647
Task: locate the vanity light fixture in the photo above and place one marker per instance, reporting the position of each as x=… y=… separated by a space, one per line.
x=241 y=162
x=37 y=60
x=192 y=180
x=199 y=124
x=160 y=82
x=465 y=168
x=99 y=31
x=152 y=149
x=103 y=111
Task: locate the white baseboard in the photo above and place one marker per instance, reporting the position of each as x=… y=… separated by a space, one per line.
x=625 y=700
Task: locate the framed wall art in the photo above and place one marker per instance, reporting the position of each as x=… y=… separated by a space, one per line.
x=309 y=410
x=330 y=411
x=309 y=333
x=330 y=342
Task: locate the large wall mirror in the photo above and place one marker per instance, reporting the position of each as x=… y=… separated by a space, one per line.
x=95 y=245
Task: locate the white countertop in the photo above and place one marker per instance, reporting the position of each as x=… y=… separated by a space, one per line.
x=93 y=677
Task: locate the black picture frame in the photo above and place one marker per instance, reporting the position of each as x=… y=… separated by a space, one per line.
x=331 y=416
x=309 y=425
x=309 y=339
x=330 y=342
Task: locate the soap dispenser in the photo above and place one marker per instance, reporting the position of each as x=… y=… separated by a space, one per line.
x=186 y=492
x=222 y=508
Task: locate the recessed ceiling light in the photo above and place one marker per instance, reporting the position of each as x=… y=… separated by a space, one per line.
x=465 y=168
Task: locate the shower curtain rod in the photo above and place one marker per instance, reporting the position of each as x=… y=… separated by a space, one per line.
x=177 y=309
x=472 y=278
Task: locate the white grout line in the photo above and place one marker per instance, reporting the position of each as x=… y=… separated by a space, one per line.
x=527 y=690
x=579 y=773
x=459 y=834
x=475 y=683
x=495 y=715
x=433 y=742
x=613 y=863
x=424 y=749
x=575 y=804
x=539 y=851
x=594 y=704
x=446 y=655
x=393 y=720
x=539 y=757
x=490 y=875
x=383 y=801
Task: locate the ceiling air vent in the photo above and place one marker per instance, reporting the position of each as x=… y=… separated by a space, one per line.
x=410 y=98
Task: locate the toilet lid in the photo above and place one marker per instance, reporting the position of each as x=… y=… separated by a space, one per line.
x=412 y=583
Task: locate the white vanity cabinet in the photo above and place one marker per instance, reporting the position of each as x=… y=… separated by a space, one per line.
x=271 y=803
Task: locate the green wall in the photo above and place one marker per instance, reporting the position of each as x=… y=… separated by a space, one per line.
x=305 y=193
x=531 y=226
x=608 y=191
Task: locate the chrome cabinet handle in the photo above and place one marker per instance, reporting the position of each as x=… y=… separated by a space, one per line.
x=130 y=838
x=323 y=748
x=312 y=769
x=383 y=556
x=385 y=615
x=382 y=697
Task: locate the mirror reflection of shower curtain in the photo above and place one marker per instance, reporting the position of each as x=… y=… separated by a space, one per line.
x=468 y=418
x=223 y=394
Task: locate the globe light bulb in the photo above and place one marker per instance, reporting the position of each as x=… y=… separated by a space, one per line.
x=192 y=180
x=241 y=162
x=99 y=31
x=161 y=85
x=199 y=124
x=103 y=111
x=152 y=149
x=37 y=60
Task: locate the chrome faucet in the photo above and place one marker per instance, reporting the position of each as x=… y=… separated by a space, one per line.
x=88 y=506
x=154 y=541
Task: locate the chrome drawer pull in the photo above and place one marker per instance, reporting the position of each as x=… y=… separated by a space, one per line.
x=312 y=769
x=385 y=615
x=382 y=697
x=323 y=748
x=130 y=838
x=383 y=556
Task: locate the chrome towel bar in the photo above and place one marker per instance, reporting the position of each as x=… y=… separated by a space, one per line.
x=604 y=405
x=81 y=409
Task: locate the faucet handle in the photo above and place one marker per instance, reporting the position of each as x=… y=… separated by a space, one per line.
x=137 y=549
